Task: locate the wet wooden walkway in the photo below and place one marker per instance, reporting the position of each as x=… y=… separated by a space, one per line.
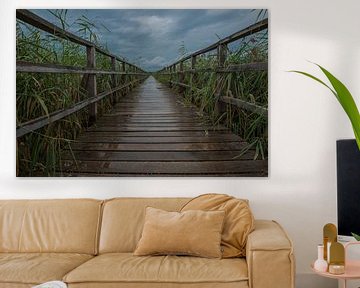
x=151 y=133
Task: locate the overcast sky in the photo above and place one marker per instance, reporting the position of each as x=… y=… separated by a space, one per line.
x=152 y=38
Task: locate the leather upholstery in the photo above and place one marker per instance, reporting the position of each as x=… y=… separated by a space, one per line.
x=239 y=220
x=242 y=284
x=41 y=226
x=269 y=255
x=127 y=268
x=64 y=226
x=123 y=220
x=36 y=268
x=193 y=233
x=15 y=285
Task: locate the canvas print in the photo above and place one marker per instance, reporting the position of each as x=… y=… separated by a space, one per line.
x=142 y=93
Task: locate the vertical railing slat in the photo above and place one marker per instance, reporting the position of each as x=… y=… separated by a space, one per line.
x=181 y=77
x=91 y=82
x=113 y=80
x=220 y=107
x=192 y=74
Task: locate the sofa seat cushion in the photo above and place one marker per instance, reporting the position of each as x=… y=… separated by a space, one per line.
x=36 y=268
x=130 y=269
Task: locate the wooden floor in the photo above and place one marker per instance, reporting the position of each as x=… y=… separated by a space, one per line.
x=150 y=133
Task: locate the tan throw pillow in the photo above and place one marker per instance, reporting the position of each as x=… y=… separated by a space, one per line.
x=239 y=220
x=196 y=233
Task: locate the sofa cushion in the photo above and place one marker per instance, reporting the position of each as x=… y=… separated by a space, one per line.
x=36 y=268
x=193 y=232
x=237 y=284
x=126 y=268
x=239 y=220
x=123 y=220
x=63 y=226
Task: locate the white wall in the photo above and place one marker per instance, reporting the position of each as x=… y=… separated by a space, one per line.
x=305 y=121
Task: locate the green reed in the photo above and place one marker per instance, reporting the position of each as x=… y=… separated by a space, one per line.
x=38 y=94
x=250 y=86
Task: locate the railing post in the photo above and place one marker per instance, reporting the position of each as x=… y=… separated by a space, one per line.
x=113 y=80
x=221 y=57
x=131 y=70
x=123 y=78
x=181 y=77
x=91 y=83
x=171 y=75
x=192 y=73
x=221 y=54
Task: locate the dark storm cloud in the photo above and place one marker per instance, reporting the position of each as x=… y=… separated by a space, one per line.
x=152 y=38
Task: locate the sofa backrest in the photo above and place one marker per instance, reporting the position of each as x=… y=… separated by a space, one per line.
x=123 y=220
x=67 y=226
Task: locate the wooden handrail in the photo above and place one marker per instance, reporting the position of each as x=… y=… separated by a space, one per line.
x=252 y=107
x=221 y=47
x=258 y=66
x=24 y=66
x=42 y=121
x=257 y=27
x=89 y=71
x=245 y=105
x=44 y=25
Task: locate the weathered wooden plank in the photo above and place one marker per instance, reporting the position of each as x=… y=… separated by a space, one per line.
x=44 y=25
x=91 y=87
x=174 y=143
x=258 y=66
x=105 y=134
x=154 y=129
x=152 y=104
x=182 y=85
x=127 y=125
x=221 y=58
x=245 y=105
x=129 y=167
x=151 y=108
x=135 y=100
x=24 y=66
x=40 y=122
x=148 y=122
x=147 y=156
x=113 y=80
x=147 y=113
x=84 y=174
x=181 y=139
x=257 y=27
x=159 y=147
x=153 y=118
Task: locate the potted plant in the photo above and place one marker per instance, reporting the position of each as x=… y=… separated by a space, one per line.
x=344 y=97
x=346 y=100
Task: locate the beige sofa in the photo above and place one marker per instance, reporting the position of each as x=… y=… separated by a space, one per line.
x=89 y=243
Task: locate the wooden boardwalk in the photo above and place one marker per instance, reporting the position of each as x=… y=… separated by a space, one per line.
x=151 y=133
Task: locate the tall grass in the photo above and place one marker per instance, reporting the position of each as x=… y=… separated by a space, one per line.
x=38 y=94
x=250 y=86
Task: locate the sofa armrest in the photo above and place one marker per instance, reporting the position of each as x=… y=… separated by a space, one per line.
x=269 y=255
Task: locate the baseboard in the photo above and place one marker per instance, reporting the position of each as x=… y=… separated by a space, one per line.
x=310 y=280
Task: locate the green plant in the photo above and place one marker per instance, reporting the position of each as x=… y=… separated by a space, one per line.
x=346 y=100
x=356 y=236
x=344 y=97
x=39 y=94
x=249 y=86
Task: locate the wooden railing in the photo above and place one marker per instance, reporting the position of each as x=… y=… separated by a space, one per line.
x=90 y=72
x=177 y=68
